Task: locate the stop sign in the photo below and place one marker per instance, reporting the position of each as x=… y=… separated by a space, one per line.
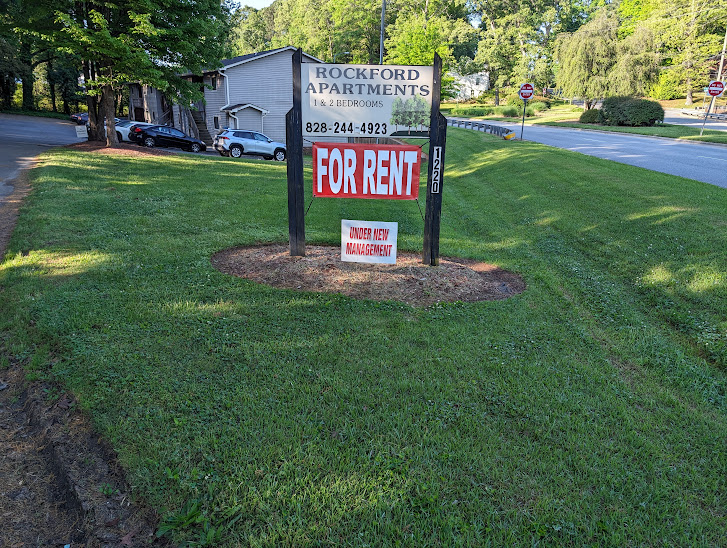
x=715 y=88
x=526 y=91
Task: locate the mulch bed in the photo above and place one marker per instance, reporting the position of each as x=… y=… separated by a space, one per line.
x=407 y=281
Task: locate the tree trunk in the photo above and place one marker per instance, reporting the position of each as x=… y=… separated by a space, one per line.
x=52 y=85
x=95 y=129
x=27 y=77
x=7 y=81
x=497 y=97
x=690 y=98
x=108 y=100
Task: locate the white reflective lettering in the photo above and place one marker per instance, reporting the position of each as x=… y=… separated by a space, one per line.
x=349 y=170
x=369 y=168
x=381 y=172
x=396 y=169
x=410 y=159
x=321 y=170
x=334 y=181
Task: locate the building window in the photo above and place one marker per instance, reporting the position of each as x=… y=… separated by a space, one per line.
x=216 y=121
x=477 y=81
x=214 y=82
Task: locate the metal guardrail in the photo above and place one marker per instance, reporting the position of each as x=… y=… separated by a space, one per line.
x=701 y=114
x=503 y=132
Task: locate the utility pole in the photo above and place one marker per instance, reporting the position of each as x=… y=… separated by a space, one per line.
x=381 y=37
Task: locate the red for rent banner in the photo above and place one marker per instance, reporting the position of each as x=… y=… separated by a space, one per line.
x=346 y=170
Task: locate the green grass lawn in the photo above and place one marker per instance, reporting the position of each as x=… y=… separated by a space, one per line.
x=589 y=410
x=673 y=131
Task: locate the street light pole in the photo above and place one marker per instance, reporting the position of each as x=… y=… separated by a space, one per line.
x=340 y=53
x=381 y=36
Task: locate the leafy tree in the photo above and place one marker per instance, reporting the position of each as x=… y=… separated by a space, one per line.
x=518 y=37
x=691 y=31
x=150 y=41
x=250 y=31
x=586 y=57
x=637 y=63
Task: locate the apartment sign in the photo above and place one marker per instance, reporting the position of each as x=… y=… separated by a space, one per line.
x=341 y=100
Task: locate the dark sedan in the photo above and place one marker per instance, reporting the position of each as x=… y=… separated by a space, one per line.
x=163 y=136
x=80 y=118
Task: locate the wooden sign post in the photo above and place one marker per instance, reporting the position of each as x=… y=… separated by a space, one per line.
x=294 y=141
x=435 y=179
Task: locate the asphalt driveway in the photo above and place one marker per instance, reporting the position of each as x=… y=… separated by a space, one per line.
x=22 y=138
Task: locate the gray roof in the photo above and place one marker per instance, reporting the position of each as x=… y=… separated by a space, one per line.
x=240 y=59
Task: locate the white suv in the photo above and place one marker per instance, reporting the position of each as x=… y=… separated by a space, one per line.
x=236 y=142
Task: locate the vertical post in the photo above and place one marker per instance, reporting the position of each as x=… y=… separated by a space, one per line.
x=435 y=177
x=522 y=126
x=706 y=115
x=294 y=141
x=381 y=36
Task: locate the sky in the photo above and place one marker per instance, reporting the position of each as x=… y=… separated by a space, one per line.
x=256 y=3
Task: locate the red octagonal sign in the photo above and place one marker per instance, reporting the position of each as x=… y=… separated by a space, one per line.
x=715 y=88
x=526 y=91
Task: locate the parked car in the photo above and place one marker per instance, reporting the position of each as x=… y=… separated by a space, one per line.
x=163 y=136
x=80 y=118
x=236 y=142
x=124 y=126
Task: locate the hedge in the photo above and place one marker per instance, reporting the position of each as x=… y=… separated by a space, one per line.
x=627 y=111
x=590 y=116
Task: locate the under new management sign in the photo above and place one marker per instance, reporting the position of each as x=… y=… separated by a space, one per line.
x=366 y=100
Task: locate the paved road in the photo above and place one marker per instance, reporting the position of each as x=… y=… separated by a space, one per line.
x=699 y=161
x=22 y=138
x=673 y=116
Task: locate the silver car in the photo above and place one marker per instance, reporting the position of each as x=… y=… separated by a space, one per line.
x=236 y=142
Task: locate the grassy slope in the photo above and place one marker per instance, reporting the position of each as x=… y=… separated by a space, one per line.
x=591 y=408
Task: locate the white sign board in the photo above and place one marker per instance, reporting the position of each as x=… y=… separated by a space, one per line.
x=366 y=100
x=81 y=131
x=368 y=241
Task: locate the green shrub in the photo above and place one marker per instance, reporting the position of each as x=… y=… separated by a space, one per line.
x=514 y=100
x=541 y=99
x=590 y=116
x=668 y=86
x=642 y=112
x=529 y=111
x=627 y=111
x=472 y=110
x=510 y=111
x=538 y=106
x=614 y=111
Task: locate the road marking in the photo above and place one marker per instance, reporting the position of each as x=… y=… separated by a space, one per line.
x=711 y=158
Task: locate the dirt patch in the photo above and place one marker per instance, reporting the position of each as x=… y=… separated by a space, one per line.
x=123 y=149
x=408 y=281
x=61 y=484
